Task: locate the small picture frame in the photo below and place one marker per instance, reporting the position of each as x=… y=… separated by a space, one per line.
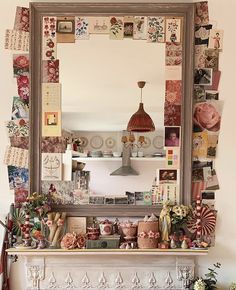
x=65 y=26
x=76 y=225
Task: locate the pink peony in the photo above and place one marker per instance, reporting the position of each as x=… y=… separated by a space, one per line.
x=69 y=241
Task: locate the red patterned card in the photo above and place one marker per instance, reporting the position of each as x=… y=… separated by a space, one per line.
x=51 y=71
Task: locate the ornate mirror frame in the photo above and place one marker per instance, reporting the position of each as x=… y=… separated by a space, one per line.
x=39 y=10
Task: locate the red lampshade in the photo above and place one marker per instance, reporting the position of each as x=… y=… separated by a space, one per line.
x=140 y=121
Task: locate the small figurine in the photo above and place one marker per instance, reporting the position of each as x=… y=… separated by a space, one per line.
x=165 y=223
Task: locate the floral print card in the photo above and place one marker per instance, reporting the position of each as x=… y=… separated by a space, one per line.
x=16 y=157
x=18 y=128
x=22 y=19
x=17 y=40
x=173 y=53
x=140 y=27
x=156 y=29
x=53 y=145
x=99 y=25
x=128 y=26
x=49 y=47
x=172 y=115
x=201 y=13
x=23 y=87
x=20 y=109
x=116 y=27
x=18 y=177
x=19 y=142
x=50 y=71
x=173 y=29
x=200 y=56
x=51 y=166
x=81 y=28
x=173 y=92
x=20 y=64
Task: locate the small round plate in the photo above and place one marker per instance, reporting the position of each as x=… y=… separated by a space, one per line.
x=110 y=142
x=96 y=142
x=158 y=142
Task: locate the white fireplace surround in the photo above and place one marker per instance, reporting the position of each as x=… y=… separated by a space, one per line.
x=106 y=270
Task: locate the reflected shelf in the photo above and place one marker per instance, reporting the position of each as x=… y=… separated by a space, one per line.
x=117 y=158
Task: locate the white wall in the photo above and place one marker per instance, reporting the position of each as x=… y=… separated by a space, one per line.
x=225 y=251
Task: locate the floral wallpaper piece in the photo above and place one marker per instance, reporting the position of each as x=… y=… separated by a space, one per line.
x=173 y=92
x=201 y=13
x=19 y=142
x=50 y=70
x=156 y=29
x=20 y=64
x=116 y=28
x=172 y=115
x=173 y=53
x=49 y=49
x=18 y=128
x=23 y=87
x=81 y=28
x=53 y=145
x=22 y=19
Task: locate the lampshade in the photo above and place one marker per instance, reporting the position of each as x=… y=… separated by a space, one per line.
x=140 y=121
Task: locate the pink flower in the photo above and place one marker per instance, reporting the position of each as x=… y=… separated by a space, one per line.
x=142 y=235
x=151 y=234
x=49 y=223
x=21 y=61
x=69 y=241
x=60 y=222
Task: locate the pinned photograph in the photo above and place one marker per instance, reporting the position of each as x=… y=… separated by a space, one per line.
x=202 y=34
x=199 y=94
x=212 y=95
x=203 y=76
x=212 y=59
x=200 y=144
x=167 y=176
x=172 y=136
x=51 y=97
x=216 y=39
x=201 y=13
x=197 y=174
x=21 y=195
x=212 y=182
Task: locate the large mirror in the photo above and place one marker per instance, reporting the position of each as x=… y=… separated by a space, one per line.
x=99 y=79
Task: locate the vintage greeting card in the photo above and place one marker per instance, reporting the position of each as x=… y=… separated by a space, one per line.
x=18 y=128
x=200 y=143
x=172 y=115
x=76 y=225
x=216 y=39
x=173 y=53
x=16 y=157
x=20 y=109
x=116 y=27
x=140 y=27
x=17 y=40
x=51 y=166
x=51 y=123
x=200 y=56
x=20 y=64
x=202 y=34
x=201 y=13
x=81 y=28
x=53 y=145
x=51 y=97
x=49 y=47
x=65 y=29
x=172 y=157
x=156 y=29
x=18 y=177
x=99 y=25
x=23 y=87
x=19 y=142
x=173 y=92
x=173 y=29
x=22 y=19
x=50 y=71
x=128 y=26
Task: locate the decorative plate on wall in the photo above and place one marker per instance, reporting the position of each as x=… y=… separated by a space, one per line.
x=110 y=142
x=158 y=142
x=96 y=142
x=84 y=141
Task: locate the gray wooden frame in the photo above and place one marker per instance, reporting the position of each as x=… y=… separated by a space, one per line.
x=40 y=9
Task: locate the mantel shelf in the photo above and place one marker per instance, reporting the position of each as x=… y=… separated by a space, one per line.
x=85 y=159
x=119 y=252
x=118 y=210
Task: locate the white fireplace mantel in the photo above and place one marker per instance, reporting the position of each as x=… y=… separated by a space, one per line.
x=107 y=269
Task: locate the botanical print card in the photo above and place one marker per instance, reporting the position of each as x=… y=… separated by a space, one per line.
x=173 y=72
x=20 y=64
x=22 y=19
x=18 y=128
x=20 y=109
x=200 y=56
x=59 y=192
x=21 y=195
x=173 y=53
x=116 y=28
x=23 y=87
x=51 y=166
x=172 y=115
x=173 y=29
x=53 y=145
x=212 y=59
x=49 y=41
x=172 y=157
x=51 y=124
x=140 y=27
x=50 y=71
x=201 y=13
x=173 y=92
x=156 y=29
x=17 y=40
x=207 y=116
x=51 y=97
x=202 y=34
x=18 y=177
x=99 y=25
x=199 y=94
x=216 y=39
x=81 y=28
x=16 y=157
x=128 y=26
x=212 y=144
x=19 y=142
x=200 y=143
x=65 y=29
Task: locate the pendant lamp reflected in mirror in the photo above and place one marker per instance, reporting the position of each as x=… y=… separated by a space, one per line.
x=140 y=121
